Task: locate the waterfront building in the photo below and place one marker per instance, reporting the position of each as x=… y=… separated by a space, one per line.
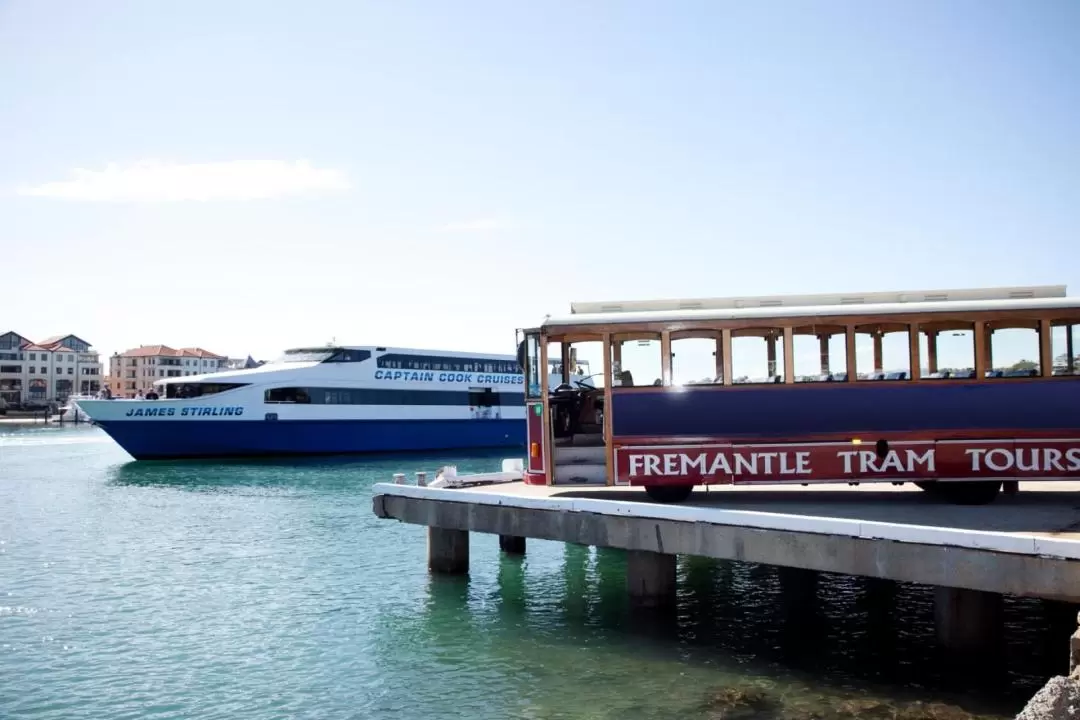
x=47 y=371
x=139 y=368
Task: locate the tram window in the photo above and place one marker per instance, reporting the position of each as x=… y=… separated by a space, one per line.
x=697 y=361
x=1065 y=348
x=882 y=352
x=1012 y=352
x=532 y=365
x=757 y=356
x=820 y=354
x=947 y=351
x=635 y=362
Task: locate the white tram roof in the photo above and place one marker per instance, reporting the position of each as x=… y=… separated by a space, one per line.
x=771 y=306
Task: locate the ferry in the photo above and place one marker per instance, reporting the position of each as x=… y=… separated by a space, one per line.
x=329 y=400
x=956 y=424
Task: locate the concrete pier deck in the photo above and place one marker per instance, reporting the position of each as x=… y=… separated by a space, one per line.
x=1026 y=544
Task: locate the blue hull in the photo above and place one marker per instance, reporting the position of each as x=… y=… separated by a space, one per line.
x=161 y=440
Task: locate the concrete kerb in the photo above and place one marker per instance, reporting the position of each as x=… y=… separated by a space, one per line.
x=1011 y=543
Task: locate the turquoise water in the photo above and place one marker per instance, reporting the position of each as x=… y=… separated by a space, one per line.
x=269 y=590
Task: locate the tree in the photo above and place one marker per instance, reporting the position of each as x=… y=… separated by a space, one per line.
x=1024 y=365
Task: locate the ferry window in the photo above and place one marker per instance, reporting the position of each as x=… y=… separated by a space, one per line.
x=194 y=390
x=947 y=350
x=402 y=361
x=1065 y=348
x=882 y=352
x=635 y=360
x=697 y=360
x=348 y=355
x=299 y=396
x=820 y=353
x=1012 y=350
x=757 y=355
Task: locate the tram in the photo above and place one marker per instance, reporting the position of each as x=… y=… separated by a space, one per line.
x=859 y=388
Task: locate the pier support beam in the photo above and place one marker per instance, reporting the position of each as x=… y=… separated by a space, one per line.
x=512 y=544
x=448 y=551
x=798 y=586
x=650 y=578
x=968 y=621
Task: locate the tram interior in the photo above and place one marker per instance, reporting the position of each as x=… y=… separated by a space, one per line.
x=577 y=412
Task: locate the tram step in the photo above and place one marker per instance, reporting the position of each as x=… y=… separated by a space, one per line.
x=584 y=440
x=573 y=455
x=591 y=474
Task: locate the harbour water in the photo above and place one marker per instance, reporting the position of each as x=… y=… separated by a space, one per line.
x=269 y=590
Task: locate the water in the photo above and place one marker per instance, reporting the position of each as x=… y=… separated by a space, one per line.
x=269 y=590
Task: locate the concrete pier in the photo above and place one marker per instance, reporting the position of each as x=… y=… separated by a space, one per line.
x=1026 y=545
x=968 y=621
x=650 y=578
x=512 y=544
x=448 y=551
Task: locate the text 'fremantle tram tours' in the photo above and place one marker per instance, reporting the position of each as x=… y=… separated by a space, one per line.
x=956 y=391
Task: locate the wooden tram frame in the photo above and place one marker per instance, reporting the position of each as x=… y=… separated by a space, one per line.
x=1040 y=309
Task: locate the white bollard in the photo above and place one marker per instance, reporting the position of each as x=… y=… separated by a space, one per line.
x=399 y=478
x=421 y=479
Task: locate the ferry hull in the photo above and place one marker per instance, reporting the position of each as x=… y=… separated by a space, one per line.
x=163 y=440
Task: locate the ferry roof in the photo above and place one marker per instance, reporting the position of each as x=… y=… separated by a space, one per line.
x=795 y=306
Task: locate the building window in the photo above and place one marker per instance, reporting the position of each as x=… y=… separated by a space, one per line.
x=71 y=371
x=33 y=356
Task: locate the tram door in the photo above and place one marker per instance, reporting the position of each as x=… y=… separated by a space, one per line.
x=536 y=431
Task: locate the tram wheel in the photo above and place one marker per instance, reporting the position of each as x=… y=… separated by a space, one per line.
x=669 y=493
x=967 y=493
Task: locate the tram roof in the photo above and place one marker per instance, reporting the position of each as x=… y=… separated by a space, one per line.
x=1043 y=297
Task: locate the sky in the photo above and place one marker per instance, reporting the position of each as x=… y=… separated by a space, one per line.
x=250 y=176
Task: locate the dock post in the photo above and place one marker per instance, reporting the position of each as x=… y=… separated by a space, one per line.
x=967 y=620
x=448 y=551
x=650 y=577
x=1074 y=649
x=512 y=544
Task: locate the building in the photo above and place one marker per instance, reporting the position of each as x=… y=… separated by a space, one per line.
x=137 y=369
x=243 y=363
x=48 y=371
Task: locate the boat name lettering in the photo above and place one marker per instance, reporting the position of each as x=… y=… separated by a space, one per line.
x=733 y=463
x=217 y=411
x=448 y=377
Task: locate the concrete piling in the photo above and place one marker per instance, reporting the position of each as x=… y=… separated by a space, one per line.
x=650 y=578
x=512 y=544
x=1074 y=649
x=448 y=551
x=968 y=621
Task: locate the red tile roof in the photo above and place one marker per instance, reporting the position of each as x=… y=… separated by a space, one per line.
x=150 y=351
x=157 y=350
x=199 y=352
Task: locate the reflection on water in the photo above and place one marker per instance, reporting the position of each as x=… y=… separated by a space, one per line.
x=265 y=589
x=332 y=473
x=577 y=649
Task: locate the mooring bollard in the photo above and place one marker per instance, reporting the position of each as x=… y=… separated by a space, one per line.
x=399 y=478
x=421 y=479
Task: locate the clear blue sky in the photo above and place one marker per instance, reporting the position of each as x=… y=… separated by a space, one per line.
x=475 y=165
